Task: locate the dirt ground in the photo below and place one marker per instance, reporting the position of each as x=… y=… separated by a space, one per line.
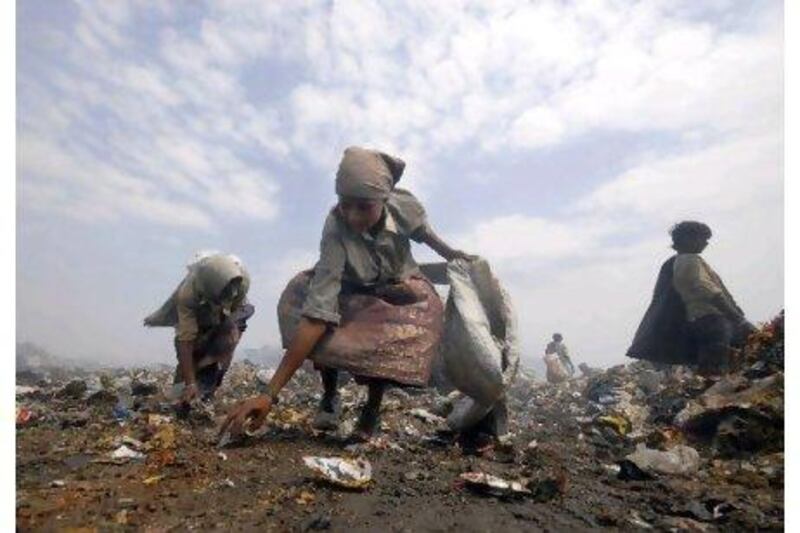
x=65 y=480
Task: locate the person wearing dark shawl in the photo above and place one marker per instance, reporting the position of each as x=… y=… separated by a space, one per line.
x=692 y=318
x=365 y=307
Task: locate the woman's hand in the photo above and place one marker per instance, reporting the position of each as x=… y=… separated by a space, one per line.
x=254 y=410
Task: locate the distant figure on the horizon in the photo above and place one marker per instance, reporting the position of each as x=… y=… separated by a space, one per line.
x=209 y=311
x=692 y=319
x=557 y=346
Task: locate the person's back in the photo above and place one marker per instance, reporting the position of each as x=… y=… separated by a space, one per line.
x=209 y=311
x=714 y=320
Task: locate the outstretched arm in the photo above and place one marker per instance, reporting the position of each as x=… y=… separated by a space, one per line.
x=308 y=334
x=429 y=237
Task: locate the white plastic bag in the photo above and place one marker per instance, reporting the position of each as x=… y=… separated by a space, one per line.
x=479 y=346
x=679 y=459
x=556 y=372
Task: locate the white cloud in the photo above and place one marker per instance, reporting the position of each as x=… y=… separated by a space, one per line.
x=590 y=271
x=720 y=179
x=537 y=127
x=420 y=79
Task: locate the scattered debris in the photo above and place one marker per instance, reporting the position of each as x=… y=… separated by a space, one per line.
x=594 y=446
x=24 y=416
x=484 y=483
x=24 y=390
x=678 y=460
x=426 y=416
x=630 y=471
x=353 y=474
x=123 y=452
x=143 y=388
x=75 y=389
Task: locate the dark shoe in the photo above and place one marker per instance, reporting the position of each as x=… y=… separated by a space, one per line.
x=368 y=423
x=328 y=412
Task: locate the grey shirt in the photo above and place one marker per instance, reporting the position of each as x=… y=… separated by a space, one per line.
x=363 y=260
x=698 y=286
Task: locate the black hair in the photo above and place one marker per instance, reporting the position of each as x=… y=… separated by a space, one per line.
x=557 y=337
x=689 y=231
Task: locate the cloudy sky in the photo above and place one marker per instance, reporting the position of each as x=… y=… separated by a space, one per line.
x=560 y=140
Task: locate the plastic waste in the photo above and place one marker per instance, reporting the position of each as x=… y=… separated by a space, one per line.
x=679 y=459
x=426 y=416
x=480 y=346
x=495 y=486
x=93 y=385
x=24 y=416
x=121 y=412
x=123 y=452
x=24 y=390
x=350 y=473
x=630 y=471
x=620 y=424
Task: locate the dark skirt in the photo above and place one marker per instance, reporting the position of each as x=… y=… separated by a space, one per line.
x=390 y=333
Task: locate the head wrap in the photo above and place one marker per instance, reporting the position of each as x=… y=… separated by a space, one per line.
x=367 y=173
x=215 y=272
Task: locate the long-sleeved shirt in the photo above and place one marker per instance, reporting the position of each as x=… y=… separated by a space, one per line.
x=700 y=287
x=368 y=259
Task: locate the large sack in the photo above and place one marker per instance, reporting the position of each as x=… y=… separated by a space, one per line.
x=377 y=338
x=556 y=371
x=479 y=345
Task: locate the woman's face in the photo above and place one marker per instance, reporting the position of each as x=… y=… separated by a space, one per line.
x=360 y=214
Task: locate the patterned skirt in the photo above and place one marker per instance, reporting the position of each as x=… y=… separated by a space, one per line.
x=390 y=333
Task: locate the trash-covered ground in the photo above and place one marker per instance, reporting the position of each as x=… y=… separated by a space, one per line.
x=630 y=447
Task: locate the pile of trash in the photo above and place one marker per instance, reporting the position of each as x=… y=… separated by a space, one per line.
x=632 y=446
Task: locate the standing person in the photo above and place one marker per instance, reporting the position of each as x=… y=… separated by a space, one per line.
x=692 y=319
x=558 y=347
x=209 y=311
x=365 y=282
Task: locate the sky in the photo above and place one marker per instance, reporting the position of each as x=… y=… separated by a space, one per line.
x=559 y=140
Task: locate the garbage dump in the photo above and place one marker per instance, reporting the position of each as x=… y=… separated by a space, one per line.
x=621 y=448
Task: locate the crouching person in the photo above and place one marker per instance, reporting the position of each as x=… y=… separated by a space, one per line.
x=365 y=308
x=209 y=311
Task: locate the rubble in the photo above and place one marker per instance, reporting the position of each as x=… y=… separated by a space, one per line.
x=572 y=447
x=123 y=452
x=677 y=460
x=352 y=474
x=493 y=485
